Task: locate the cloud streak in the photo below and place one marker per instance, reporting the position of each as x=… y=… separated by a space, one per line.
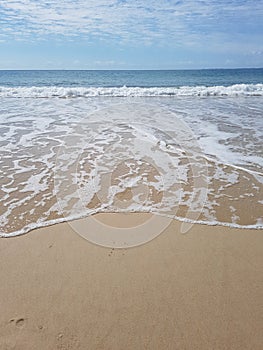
x=133 y=21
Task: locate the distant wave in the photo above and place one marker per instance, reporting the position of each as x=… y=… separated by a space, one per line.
x=71 y=92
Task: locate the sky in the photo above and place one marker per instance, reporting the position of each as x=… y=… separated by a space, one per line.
x=130 y=34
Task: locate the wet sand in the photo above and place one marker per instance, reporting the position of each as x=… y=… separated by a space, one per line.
x=200 y=290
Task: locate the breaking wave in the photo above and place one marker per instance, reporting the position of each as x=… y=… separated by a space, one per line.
x=124 y=91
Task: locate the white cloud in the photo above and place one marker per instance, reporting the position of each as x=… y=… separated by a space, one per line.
x=167 y=21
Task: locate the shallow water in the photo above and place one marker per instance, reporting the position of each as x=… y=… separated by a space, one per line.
x=193 y=158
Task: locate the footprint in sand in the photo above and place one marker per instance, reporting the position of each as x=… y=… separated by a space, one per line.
x=111 y=252
x=19 y=322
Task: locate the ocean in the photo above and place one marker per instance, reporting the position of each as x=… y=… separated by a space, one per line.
x=183 y=144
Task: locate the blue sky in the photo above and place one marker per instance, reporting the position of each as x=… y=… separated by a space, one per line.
x=130 y=34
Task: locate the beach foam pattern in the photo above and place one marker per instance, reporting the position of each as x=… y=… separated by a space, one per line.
x=124 y=91
x=71 y=158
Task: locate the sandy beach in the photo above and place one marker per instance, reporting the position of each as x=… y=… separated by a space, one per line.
x=201 y=290
x=131 y=175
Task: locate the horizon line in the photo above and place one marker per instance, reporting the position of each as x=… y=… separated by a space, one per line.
x=128 y=69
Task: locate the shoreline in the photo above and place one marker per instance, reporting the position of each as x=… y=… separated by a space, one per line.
x=47 y=224
x=201 y=290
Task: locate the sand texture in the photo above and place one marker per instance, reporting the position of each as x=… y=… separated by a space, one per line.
x=202 y=290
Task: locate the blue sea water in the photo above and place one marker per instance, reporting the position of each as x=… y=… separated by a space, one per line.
x=130 y=78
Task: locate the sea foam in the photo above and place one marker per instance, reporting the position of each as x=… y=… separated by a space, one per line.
x=124 y=91
x=186 y=158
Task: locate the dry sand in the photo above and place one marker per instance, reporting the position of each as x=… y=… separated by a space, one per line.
x=202 y=290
